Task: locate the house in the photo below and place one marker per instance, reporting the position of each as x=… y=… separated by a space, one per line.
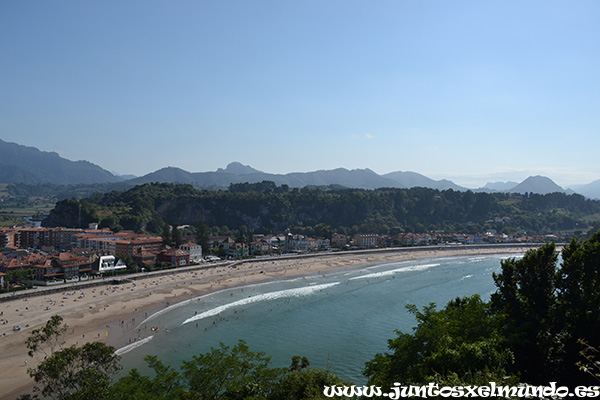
x=339 y=241
x=56 y=238
x=173 y=256
x=8 y=238
x=319 y=244
x=108 y=264
x=134 y=246
x=195 y=251
x=474 y=238
x=20 y=262
x=261 y=248
x=365 y=240
x=237 y=250
x=277 y=241
x=221 y=241
x=63 y=266
x=296 y=243
x=385 y=241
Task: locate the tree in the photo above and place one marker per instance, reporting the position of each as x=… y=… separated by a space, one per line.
x=177 y=238
x=243 y=235
x=225 y=373
x=77 y=372
x=73 y=372
x=71 y=213
x=111 y=222
x=526 y=300
x=46 y=339
x=19 y=275
x=166 y=384
x=203 y=236
x=578 y=298
x=302 y=382
x=166 y=235
x=459 y=342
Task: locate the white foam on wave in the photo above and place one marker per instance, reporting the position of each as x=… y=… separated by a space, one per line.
x=394 y=271
x=297 y=292
x=477 y=259
x=196 y=299
x=466 y=277
x=134 y=345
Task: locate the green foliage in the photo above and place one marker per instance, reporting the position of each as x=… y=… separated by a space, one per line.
x=230 y=374
x=111 y=222
x=588 y=361
x=18 y=276
x=526 y=298
x=301 y=382
x=166 y=384
x=77 y=372
x=167 y=235
x=578 y=296
x=226 y=373
x=462 y=340
x=264 y=207
x=73 y=372
x=47 y=338
x=177 y=238
x=203 y=236
x=71 y=213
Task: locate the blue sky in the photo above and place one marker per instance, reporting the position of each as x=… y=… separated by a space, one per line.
x=472 y=91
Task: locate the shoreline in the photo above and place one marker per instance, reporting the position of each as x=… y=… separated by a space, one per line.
x=108 y=313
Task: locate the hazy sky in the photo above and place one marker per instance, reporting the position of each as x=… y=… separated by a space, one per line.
x=466 y=90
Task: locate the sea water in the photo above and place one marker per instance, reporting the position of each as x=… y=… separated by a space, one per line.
x=338 y=320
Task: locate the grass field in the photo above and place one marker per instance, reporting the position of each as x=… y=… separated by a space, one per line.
x=12 y=210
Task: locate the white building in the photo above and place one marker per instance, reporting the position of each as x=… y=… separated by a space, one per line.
x=108 y=264
x=195 y=251
x=296 y=243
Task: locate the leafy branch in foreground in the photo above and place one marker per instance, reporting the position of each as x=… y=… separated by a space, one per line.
x=590 y=365
x=50 y=335
x=73 y=372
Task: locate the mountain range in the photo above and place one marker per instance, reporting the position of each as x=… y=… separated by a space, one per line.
x=22 y=164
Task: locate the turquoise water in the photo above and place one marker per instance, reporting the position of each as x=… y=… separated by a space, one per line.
x=340 y=320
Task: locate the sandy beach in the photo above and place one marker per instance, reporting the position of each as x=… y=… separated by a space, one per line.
x=111 y=313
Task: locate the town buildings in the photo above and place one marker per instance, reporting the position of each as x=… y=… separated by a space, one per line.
x=60 y=254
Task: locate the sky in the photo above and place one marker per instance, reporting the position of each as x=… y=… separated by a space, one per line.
x=471 y=91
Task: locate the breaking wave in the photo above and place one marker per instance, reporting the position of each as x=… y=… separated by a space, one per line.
x=394 y=271
x=297 y=292
x=134 y=345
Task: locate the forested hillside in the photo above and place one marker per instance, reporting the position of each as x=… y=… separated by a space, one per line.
x=264 y=207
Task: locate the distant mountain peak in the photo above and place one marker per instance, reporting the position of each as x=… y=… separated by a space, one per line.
x=537 y=184
x=237 y=168
x=409 y=179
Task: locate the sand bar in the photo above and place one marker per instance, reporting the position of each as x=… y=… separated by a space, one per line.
x=111 y=312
